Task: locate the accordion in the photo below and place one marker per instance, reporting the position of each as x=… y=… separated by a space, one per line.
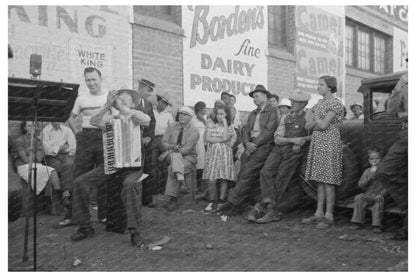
x=122 y=145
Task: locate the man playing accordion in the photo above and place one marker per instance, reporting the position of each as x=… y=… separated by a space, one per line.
x=118 y=106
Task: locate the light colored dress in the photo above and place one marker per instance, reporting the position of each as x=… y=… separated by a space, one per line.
x=219 y=162
x=324 y=162
x=200 y=145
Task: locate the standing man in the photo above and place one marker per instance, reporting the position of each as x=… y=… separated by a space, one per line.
x=163 y=120
x=59 y=146
x=226 y=98
x=89 y=152
x=123 y=101
x=237 y=121
x=144 y=90
x=180 y=140
x=393 y=168
x=291 y=144
x=257 y=139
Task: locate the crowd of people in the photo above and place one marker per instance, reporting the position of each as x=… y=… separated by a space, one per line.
x=254 y=162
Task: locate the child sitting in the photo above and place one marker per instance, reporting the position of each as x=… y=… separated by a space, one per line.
x=373 y=195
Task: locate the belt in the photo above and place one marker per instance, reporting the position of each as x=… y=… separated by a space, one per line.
x=158 y=136
x=90 y=129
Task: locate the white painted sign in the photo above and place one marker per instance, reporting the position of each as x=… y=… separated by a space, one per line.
x=224 y=49
x=71 y=38
x=400 y=48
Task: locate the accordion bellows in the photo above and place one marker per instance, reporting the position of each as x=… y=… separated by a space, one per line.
x=122 y=145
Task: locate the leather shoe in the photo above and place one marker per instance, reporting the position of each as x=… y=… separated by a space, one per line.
x=151 y=205
x=64 y=223
x=172 y=205
x=83 y=233
x=136 y=239
x=222 y=207
x=270 y=216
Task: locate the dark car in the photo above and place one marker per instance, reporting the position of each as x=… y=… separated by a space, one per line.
x=378 y=128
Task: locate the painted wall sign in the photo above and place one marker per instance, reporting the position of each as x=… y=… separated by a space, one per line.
x=319 y=47
x=400 y=46
x=224 y=50
x=71 y=38
x=399 y=12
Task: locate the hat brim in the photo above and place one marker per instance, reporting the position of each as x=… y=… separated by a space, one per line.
x=352 y=106
x=163 y=100
x=132 y=93
x=146 y=84
x=267 y=93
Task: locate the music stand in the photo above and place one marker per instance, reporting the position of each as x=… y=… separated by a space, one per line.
x=35 y=100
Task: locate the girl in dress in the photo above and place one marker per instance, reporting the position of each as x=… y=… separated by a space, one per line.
x=220 y=137
x=324 y=163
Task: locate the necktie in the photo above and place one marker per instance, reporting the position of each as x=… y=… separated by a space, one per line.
x=179 y=141
x=141 y=105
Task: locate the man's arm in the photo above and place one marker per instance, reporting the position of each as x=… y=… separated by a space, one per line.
x=166 y=145
x=190 y=142
x=71 y=142
x=268 y=130
x=72 y=122
x=149 y=132
x=394 y=104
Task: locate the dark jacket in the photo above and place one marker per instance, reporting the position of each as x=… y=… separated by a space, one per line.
x=268 y=125
x=148 y=109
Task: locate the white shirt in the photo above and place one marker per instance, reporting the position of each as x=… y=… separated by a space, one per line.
x=87 y=106
x=237 y=121
x=53 y=139
x=163 y=119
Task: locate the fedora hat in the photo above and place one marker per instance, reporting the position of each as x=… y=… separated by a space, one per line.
x=164 y=99
x=259 y=88
x=147 y=83
x=300 y=96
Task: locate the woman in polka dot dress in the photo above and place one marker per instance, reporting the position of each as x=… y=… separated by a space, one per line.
x=324 y=164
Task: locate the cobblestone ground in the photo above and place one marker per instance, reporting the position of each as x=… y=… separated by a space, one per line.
x=202 y=242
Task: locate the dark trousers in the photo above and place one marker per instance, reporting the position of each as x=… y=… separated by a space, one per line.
x=89 y=154
x=278 y=171
x=151 y=167
x=247 y=182
x=130 y=194
x=64 y=165
x=393 y=172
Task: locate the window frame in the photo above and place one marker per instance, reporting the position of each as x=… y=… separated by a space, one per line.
x=283 y=32
x=373 y=34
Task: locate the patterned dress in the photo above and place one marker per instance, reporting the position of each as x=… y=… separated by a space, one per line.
x=324 y=162
x=219 y=162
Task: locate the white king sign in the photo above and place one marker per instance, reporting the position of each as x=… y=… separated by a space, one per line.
x=224 y=49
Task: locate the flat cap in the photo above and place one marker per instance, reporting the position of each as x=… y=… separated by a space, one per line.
x=300 y=96
x=186 y=110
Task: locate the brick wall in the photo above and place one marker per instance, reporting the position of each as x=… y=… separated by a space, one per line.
x=157 y=55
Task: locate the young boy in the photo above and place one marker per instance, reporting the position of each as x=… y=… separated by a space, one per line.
x=373 y=195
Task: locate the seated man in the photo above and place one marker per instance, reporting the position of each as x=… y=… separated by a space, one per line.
x=291 y=144
x=180 y=140
x=257 y=139
x=59 y=145
x=131 y=194
x=392 y=171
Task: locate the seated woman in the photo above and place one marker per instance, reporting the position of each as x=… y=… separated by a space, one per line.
x=46 y=177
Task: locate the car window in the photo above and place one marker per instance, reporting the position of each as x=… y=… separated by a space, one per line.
x=379 y=111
